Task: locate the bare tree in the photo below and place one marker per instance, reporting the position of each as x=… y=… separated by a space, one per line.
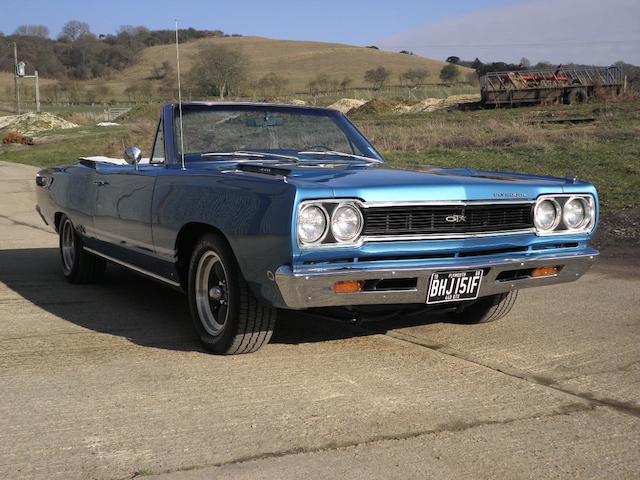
x=219 y=71
x=525 y=62
x=32 y=31
x=414 y=76
x=377 y=77
x=73 y=30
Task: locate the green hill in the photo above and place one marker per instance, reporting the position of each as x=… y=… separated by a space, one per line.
x=297 y=61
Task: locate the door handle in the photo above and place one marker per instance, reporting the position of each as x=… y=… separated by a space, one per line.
x=100 y=183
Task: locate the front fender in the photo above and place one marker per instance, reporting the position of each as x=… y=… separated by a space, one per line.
x=253 y=212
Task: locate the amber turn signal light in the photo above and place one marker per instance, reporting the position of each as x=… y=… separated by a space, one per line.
x=544 y=271
x=351 y=286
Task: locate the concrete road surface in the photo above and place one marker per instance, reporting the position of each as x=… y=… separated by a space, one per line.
x=108 y=381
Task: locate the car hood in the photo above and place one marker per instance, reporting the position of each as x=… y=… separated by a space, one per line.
x=382 y=184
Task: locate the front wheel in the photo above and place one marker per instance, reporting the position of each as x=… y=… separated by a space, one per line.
x=226 y=315
x=486 y=309
x=78 y=266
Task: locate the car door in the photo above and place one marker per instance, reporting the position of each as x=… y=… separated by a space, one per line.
x=123 y=205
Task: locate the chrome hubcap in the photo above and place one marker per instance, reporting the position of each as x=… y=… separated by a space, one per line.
x=211 y=293
x=68 y=246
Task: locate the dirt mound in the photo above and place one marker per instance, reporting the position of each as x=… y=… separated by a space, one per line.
x=374 y=107
x=433 y=104
x=32 y=123
x=344 y=105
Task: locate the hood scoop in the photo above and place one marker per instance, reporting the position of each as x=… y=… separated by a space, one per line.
x=265 y=169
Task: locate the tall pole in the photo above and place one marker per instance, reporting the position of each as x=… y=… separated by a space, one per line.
x=15 y=76
x=37 y=92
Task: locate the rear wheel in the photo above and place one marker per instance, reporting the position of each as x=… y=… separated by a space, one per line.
x=78 y=266
x=486 y=309
x=226 y=315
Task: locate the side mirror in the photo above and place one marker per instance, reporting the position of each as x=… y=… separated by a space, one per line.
x=132 y=156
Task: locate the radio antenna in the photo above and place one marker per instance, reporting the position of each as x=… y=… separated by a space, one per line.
x=179 y=97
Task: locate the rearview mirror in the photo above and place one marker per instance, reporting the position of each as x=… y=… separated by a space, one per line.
x=132 y=156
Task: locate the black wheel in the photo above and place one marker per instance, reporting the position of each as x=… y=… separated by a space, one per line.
x=576 y=96
x=486 y=309
x=226 y=315
x=78 y=266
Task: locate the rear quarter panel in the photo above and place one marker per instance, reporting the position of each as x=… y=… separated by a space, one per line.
x=70 y=190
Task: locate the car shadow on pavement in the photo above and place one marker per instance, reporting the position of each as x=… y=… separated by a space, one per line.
x=146 y=312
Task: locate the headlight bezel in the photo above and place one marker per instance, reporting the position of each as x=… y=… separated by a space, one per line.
x=561 y=228
x=329 y=207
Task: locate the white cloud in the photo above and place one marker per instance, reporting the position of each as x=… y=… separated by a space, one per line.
x=596 y=32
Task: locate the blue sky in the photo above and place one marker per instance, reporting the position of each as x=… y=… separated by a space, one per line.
x=584 y=31
x=348 y=21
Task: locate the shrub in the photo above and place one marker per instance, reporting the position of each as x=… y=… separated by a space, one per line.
x=449 y=73
x=17 y=137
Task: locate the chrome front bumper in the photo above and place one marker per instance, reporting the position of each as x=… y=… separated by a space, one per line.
x=315 y=287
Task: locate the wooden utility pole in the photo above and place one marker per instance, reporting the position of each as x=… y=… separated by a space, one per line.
x=15 y=76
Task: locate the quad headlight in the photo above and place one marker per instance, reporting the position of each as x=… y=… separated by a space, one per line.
x=546 y=215
x=329 y=222
x=346 y=222
x=558 y=214
x=312 y=224
x=576 y=213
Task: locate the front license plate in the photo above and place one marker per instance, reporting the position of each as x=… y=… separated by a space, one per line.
x=454 y=286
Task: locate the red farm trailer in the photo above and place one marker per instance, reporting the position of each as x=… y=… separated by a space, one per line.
x=565 y=85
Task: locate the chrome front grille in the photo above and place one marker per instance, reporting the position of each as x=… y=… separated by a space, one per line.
x=455 y=219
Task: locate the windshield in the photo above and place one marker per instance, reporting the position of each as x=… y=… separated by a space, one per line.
x=282 y=133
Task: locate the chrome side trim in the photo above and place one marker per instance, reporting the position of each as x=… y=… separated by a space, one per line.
x=133 y=267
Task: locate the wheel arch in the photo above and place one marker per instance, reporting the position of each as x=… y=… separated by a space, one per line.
x=256 y=276
x=186 y=240
x=57 y=218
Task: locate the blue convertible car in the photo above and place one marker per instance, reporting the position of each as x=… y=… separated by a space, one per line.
x=251 y=208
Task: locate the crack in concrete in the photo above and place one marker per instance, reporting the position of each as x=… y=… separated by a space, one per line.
x=627 y=408
x=452 y=427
